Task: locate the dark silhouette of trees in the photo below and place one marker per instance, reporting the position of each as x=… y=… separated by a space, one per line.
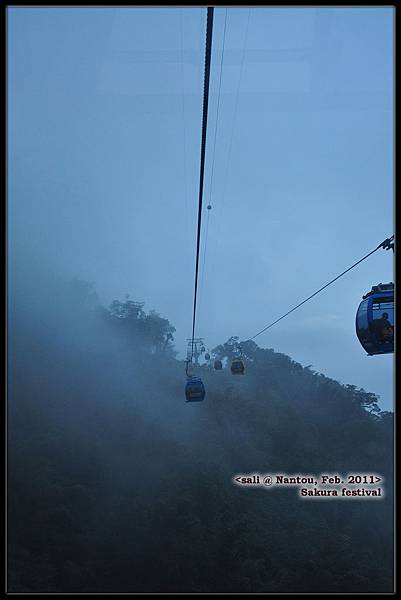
x=115 y=484
x=154 y=332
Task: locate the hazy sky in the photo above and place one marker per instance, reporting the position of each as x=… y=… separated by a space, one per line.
x=104 y=125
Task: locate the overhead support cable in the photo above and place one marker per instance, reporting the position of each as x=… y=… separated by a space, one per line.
x=386 y=244
x=208 y=56
x=224 y=184
x=202 y=279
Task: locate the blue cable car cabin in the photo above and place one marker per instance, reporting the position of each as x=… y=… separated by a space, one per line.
x=237 y=366
x=195 y=390
x=218 y=365
x=375 y=320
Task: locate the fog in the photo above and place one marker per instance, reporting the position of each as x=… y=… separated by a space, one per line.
x=116 y=484
x=104 y=109
x=111 y=473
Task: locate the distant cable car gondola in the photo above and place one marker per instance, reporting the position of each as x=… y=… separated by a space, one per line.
x=207 y=356
x=218 y=365
x=237 y=366
x=195 y=390
x=375 y=320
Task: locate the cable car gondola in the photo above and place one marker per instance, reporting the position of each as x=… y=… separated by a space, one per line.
x=237 y=366
x=207 y=356
x=218 y=365
x=375 y=320
x=195 y=390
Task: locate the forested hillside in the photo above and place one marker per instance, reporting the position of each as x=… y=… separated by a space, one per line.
x=115 y=484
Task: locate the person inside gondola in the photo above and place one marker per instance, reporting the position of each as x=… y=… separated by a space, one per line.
x=383 y=328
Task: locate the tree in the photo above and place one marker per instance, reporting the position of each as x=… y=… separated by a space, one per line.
x=153 y=331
